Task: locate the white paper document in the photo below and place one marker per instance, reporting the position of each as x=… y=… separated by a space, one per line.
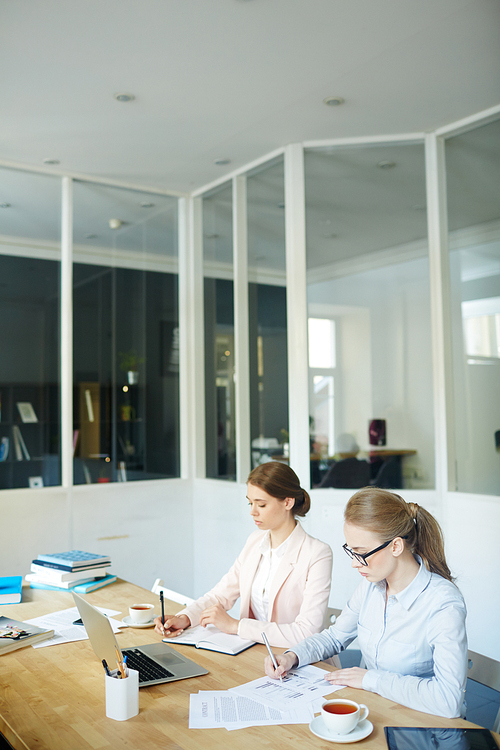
x=62 y=624
x=223 y=709
x=299 y=687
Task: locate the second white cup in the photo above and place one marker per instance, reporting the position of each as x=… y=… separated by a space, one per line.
x=342 y=716
x=141 y=613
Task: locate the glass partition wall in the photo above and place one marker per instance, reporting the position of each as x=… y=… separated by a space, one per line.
x=125 y=334
x=30 y=230
x=220 y=407
x=267 y=313
x=376 y=396
x=473 y=177
x=370 y=365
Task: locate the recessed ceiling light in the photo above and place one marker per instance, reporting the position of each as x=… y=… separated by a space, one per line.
x=147 y=205
x=51 y=161
x=386 y=164
x=124 y=97
x=333 y=101
x=4 y=205
x=222 y=162
x=115 y=223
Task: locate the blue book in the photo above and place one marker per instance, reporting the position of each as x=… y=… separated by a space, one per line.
x=11 y=589
x=75 y=558
x=4 y=449
x=80 y=588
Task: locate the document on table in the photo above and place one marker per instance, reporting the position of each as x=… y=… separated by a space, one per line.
x=223 y=709
x=62 y=624
x=298 y=688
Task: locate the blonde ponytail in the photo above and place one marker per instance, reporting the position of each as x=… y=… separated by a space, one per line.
x=388 y=516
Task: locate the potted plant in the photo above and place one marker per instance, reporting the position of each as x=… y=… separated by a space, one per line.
x=129 y=363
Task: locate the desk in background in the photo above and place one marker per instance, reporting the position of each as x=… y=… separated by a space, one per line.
x=53 y=698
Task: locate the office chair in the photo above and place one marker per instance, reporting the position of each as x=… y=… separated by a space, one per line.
x=348 y=473
x=174 y=596
x=482 y=693
x=389 y=475
x=351 y=657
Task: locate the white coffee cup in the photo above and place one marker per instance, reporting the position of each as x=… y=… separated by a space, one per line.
x=141 y=613
x=341 y=716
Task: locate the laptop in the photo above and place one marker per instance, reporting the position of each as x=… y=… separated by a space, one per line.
x=155 y=662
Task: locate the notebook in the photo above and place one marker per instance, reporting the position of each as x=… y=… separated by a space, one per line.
x=212 y=639
x=155 y=662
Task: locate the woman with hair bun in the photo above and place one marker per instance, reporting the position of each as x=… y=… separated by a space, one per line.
x=407 y=613
x=282 y=575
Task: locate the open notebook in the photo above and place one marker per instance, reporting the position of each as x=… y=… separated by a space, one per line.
x=212 y=639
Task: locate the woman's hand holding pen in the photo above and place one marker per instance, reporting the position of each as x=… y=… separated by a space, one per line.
x=217 y=615
x=173 y=625
x=351 y=677
x=286 y=662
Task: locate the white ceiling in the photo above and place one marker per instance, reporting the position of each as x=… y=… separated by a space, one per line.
x=231 y=78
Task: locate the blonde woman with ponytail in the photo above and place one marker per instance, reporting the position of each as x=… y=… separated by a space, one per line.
x=282 y=575
x=407 y=613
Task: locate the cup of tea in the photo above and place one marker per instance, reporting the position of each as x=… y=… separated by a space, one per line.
x=342 y=716
x=141 y=613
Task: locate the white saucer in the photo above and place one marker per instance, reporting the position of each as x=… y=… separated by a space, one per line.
x=318 y=728
x=131 y=624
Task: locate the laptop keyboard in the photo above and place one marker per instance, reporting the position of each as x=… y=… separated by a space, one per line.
x=148 y=668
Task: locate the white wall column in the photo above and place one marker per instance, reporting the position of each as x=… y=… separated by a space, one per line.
x=191 y=339
x=437 y=221
x=241 y=336
x=67 y=333
x=296 y=296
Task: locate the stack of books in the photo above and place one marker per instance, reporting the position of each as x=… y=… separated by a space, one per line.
x=70 y=571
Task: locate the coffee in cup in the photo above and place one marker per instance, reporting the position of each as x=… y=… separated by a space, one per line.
x=342 y=716
x=141 y=613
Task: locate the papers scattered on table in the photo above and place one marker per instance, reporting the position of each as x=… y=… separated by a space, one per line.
x=62 y=624
x=222 y=709
x=262 y=702
x=299 y=687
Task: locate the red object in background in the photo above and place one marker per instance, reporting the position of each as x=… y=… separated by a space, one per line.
x=376 y=432
x=103 y=479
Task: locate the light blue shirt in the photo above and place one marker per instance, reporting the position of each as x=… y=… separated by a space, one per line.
x=415 y=648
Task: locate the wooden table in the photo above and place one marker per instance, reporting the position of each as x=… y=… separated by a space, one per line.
x=53 y=698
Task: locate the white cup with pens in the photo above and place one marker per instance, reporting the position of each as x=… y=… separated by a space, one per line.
x=122 y=690
x=273 y=658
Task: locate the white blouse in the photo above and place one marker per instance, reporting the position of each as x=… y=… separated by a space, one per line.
x=268 y=565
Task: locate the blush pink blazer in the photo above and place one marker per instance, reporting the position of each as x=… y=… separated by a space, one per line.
x=298 y=596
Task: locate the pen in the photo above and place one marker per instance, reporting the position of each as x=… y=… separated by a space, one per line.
x=162 y=609
x=106 y=668
x=273 y=658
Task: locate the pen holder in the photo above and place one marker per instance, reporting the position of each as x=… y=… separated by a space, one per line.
x=122 y=696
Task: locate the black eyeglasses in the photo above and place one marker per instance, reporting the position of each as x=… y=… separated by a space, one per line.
x=362 y=558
